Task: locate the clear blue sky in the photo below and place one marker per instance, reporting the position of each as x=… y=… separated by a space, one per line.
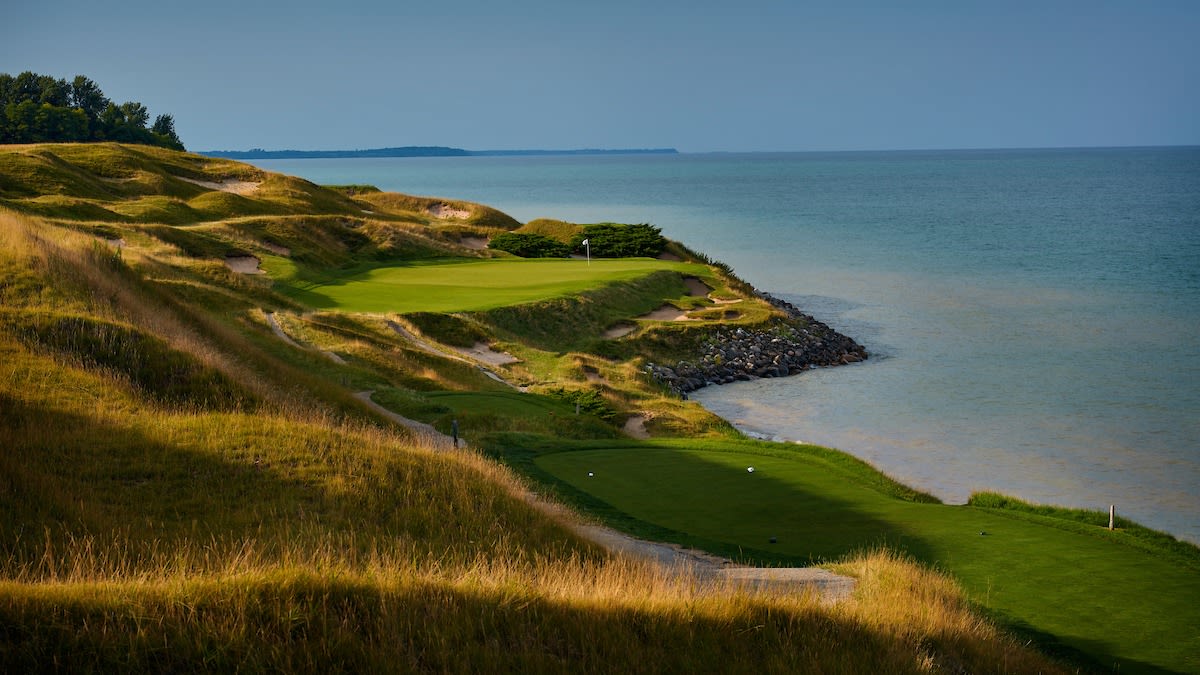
x=699 y=76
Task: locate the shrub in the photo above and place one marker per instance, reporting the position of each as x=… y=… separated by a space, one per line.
x=529 y=245
x=613 y=240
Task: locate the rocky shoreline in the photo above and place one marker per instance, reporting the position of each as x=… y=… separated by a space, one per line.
x=785 y=347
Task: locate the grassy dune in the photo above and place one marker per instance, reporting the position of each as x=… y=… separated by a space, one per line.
x=181 y=489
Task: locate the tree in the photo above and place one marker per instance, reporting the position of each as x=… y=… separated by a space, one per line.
x=164 y=127
x=135 y=113
x=86 y=95
x=39 y=108
x=53 y=92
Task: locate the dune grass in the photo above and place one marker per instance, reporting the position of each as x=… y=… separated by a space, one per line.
x=1097 y=592
x=453 y=285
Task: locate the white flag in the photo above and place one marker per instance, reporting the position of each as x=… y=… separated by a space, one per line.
x=584 y=242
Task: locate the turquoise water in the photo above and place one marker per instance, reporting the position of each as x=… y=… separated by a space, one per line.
x=1033 y=316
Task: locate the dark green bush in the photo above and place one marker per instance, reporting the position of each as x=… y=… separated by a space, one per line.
x=613 y=240
x=529 y=245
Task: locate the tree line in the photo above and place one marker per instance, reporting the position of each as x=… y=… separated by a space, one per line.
x=41 y=109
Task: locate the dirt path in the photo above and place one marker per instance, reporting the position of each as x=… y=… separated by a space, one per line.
x=278 y=331
x=425 y=431
x=829 y=586
x=428 y=348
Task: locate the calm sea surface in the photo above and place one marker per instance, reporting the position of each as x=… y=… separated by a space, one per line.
x=1033 y=316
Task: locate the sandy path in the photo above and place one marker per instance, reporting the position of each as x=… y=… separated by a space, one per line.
x=278 y=331
x=430 y=349
x=482 y=352
x=424 y=431
x=829 y=586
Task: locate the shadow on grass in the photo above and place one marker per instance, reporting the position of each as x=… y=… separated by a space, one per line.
x=306 y=623
x=696 y=500
x=69 y=480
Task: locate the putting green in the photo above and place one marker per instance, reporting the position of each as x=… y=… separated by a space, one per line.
x=1091 y=592
x=464 y=285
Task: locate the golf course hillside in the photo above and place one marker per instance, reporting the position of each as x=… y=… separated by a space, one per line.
x=252 y=423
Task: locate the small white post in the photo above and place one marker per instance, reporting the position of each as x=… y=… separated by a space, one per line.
x=587 y=244
x=1112 y=516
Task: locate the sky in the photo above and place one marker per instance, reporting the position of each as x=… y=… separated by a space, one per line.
x=756 y=75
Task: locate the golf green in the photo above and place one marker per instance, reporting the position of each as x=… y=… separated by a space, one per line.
x=461 y=285
x=1090 y=591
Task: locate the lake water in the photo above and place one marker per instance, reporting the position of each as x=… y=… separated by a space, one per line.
x=1033 y=315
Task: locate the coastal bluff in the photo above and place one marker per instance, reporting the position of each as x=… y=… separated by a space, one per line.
x=786 y=346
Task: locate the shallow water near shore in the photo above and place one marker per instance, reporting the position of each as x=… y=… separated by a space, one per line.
x=1032 y=315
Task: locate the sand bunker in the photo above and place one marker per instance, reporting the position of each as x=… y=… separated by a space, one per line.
x=619 y=331
x=237 y=187
x=666 y=313
x=635 y=427
x=696 y=288
x=473 y=243
x=277 y=249
x=115 y=243
x=669 y=256
x=447 y=212
x=243 y=264
x=482 y=352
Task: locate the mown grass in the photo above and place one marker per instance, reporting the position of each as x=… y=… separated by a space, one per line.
x=452 y=285
x=1101 y=593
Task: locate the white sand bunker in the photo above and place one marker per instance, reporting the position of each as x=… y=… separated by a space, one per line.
x=243 y=264
x=473 y=243
x=696 y=287
x=619 y=331
x=237 y=187
x=666 y=313
x=482 y=352
x=443 y=211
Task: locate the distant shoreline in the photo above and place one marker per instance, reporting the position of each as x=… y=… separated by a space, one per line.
x=423 y=151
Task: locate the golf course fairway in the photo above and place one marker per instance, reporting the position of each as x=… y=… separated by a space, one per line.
x=1058 y=580
x=453 y=285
